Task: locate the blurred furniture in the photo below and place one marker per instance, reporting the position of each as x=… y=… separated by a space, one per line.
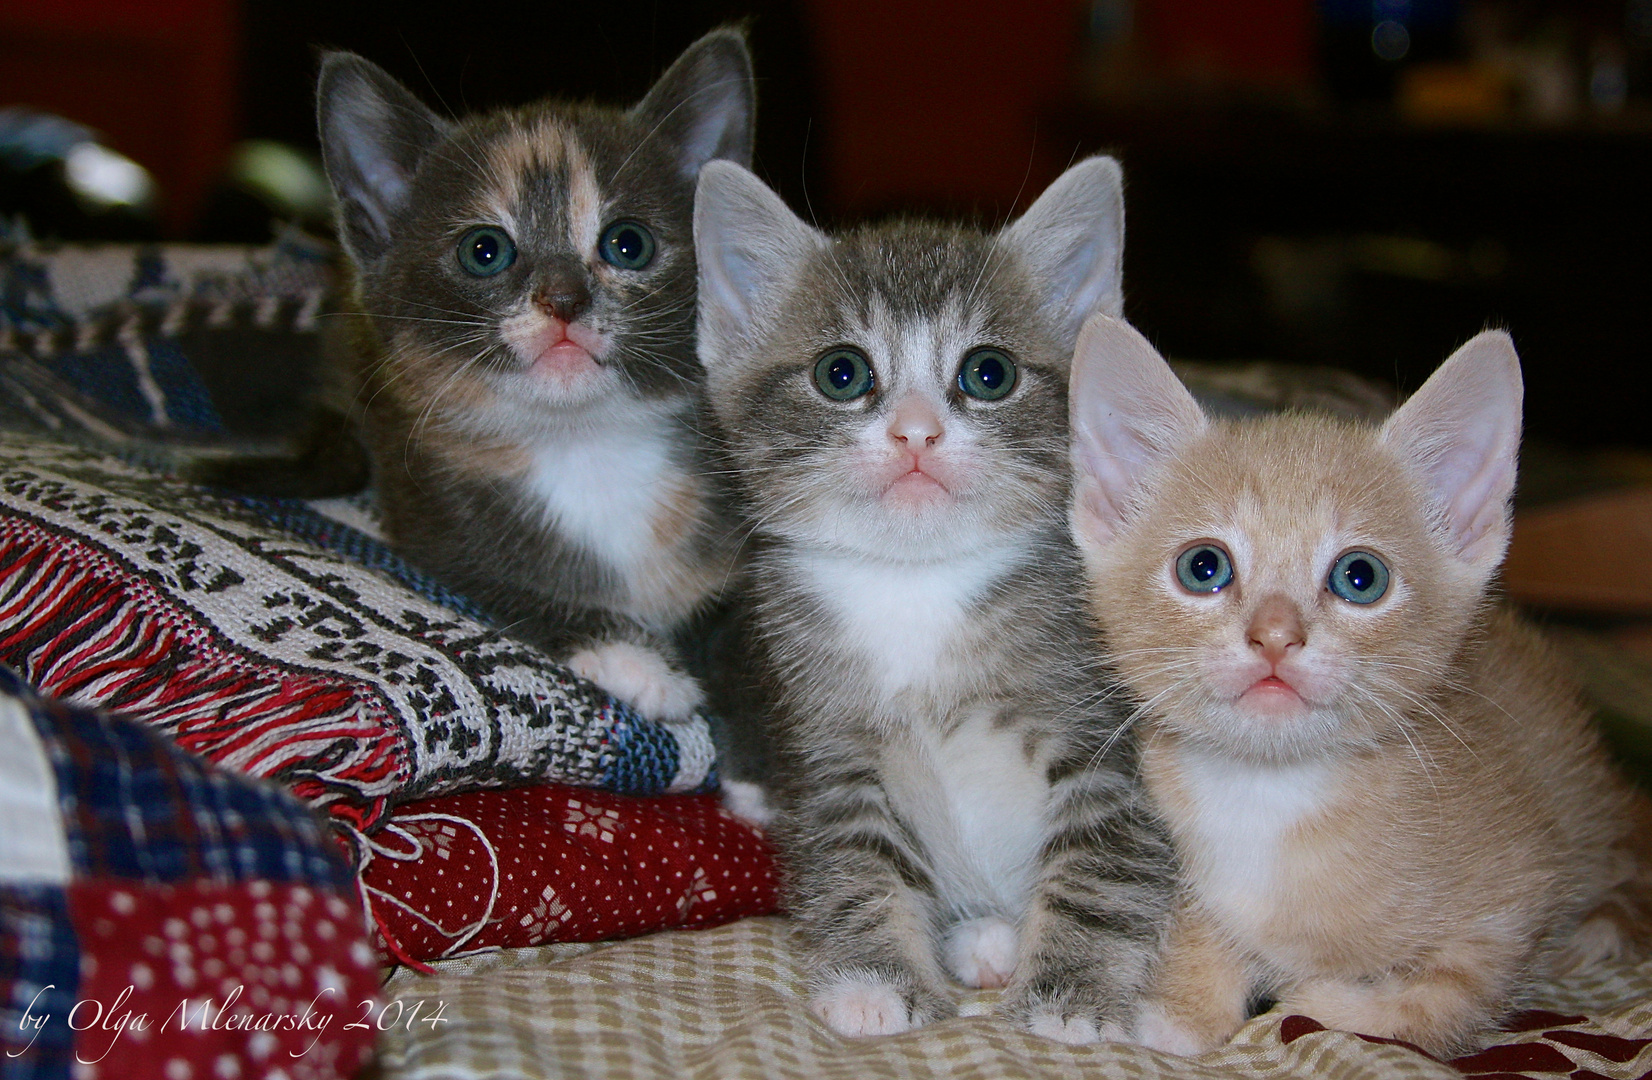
x=157 y=77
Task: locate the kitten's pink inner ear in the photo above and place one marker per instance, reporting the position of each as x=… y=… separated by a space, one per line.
x=1128 y=412
x=1461 y=434
x=747 y=243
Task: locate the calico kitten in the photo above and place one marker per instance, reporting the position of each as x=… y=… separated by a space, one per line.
x=1390 y=805
x=957 y=800
x=530 y=387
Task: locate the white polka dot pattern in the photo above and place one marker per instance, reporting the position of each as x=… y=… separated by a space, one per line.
x=226 y=976
x=558 y=863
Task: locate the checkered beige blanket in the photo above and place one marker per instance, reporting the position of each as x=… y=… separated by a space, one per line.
x=728 y=1003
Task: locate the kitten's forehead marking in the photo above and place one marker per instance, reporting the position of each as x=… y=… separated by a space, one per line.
x=1280 y=545
x=544 y=145
x=585 y=201
x=919 y=352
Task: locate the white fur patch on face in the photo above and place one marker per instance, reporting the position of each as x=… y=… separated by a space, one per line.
x=585 y=203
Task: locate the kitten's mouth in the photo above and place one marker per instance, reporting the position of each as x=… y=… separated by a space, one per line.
x=568 y=357
x=561 y=352
x=1272 y=692
x=915 y=484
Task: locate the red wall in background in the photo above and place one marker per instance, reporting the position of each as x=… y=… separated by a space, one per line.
x=935 y=103
x=1259 y=42
x=157 y=77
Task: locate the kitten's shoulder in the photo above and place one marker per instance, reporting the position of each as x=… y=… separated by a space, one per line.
x=1518 y=667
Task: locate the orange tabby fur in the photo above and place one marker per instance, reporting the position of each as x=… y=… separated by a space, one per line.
x=1437 y=825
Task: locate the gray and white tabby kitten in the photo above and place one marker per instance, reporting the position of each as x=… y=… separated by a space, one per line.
x=529 y=385
x=957 y=798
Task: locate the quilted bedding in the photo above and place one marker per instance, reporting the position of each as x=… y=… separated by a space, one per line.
x=728 y=1003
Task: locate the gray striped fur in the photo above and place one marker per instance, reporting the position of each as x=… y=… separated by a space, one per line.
x=950 y=749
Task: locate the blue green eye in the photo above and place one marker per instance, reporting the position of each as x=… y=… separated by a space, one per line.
x=987 y=374
x=1204 y=568
x=486 y=251
x=1360 y=577
x=627 y=245
x=843 y=375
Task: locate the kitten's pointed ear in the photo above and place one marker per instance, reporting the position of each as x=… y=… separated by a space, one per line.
x=1128 y=412
x=705 y=104
x=1073 y=238
x=1461 y=433
x=374 y=132
x=748 y=244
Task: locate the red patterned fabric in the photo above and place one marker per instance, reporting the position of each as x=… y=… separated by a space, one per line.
x=86 y=629
x=556 y=863
x=168 y=920
x=201 y=979
x=1542 y=1049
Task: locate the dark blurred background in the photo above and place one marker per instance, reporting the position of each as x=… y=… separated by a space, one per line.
x=1361 y=183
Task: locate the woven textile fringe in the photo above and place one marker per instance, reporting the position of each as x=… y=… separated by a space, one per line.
x=263 y=651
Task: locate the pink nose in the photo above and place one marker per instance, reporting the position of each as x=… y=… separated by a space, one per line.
x=1275 y=627
x=915 y=423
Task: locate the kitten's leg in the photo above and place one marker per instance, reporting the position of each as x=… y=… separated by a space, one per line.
x=865 y=896
x=1096 y=924
x=1620 y=923
x=1442 y=1005
x=724 y=651
x=1202 y=993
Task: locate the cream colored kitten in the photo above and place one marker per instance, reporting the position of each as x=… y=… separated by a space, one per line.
x=1392 y=811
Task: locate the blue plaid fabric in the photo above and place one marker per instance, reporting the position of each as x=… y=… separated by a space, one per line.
x=134 y=807
x=39 y=976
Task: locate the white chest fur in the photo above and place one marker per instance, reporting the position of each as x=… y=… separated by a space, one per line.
x=903 y=619
x=1233 y=820
x=977 y=804
x=612 y=485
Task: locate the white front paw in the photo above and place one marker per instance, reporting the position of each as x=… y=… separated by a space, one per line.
x=640 y=677
x=747 y=800
x=858 y=1008
x=1156 y=1029
x=981 y=952
x=1074 y=1031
